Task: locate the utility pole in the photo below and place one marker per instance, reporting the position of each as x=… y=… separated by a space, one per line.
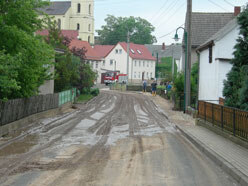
x=128 y=46
x=188 y=67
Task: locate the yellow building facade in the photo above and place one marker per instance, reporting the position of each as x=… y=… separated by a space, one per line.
x=74 y=15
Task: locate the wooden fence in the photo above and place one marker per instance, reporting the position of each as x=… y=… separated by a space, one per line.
x=229 y=119
x=16 y=109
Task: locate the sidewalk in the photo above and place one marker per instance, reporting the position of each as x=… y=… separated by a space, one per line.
x=231 y=157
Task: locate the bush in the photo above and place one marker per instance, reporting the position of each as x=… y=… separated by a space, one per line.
x=94 y=92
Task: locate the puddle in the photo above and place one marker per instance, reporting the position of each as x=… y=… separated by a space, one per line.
x=149 y=131
x=24 y=179
x=90 y=110
x=139 y=111
x=80 y=135
x=97 y=115
x=117 y=133
x=20 y=147
x=143 y=119
x=85 y=124
x=109 y=109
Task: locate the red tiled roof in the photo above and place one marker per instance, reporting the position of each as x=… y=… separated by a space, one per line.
x=90 y=54
x=138 y=51
x=103 y=50
x=72 y=34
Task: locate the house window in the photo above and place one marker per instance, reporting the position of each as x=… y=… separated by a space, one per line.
x=139 y=74
x=89 y=27
x=151 y=75
x=134 y=74
x=111 y=61
x=151 y=64
x=148 y=63
x=210 y=54
x=96 y=64
x=143 y=63
x=103 y=63
x=147 y=75
x=116 y=51
x=78 y=26
x=88 y=39
x=135 y=63
x=90 y=9
x=78 y=8
x=59 y=24
x=120 y=51
x=139 y=63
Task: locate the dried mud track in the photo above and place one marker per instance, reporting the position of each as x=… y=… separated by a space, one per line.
x=115 y=139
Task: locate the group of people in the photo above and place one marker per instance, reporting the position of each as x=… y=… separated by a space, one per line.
x=153 y=85
x=168 y=86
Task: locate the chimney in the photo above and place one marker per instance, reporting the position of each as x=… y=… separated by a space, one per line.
x=163 y=46
x=237 y=10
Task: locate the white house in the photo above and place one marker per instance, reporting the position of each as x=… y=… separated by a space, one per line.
x=105 y=58
x=141 y=62
x=215 y=57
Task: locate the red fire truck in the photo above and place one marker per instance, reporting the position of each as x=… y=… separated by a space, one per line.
x=114 y=76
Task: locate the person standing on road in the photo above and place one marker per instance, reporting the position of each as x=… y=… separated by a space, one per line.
x=154 y=88
x=144 y=85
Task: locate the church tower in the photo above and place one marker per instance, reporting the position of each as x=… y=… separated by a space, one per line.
x=82 y=19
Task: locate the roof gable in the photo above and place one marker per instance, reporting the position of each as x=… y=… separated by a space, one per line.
x=205 y=25
x=56 y=8
x=220 y=34
x=137 y=51
x=174 y=50
x=90 y=52
x=103 y=50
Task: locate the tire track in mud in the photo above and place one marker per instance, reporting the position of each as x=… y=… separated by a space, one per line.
x=17 y=164
x=123 y=113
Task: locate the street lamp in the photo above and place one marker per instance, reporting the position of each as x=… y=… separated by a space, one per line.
x=176 y=38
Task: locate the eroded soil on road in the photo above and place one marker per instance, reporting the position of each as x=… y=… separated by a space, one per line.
x=115 y=139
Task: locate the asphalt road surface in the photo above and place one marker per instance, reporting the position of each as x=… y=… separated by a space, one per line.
x=115 y=139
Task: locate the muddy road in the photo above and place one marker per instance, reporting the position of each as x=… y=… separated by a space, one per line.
x=115 y=139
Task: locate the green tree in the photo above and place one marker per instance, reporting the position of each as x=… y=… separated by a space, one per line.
x=235 y=90
x=8 y=75
x=164 y=69
x=33 y=57
x=70 y=67
x=116 y=30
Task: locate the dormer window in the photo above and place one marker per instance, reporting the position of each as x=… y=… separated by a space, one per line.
x=139 y=51
x=132 y=51
x=78 y=8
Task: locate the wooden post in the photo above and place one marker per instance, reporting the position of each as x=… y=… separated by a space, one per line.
x=234 y=127
x=222 y=122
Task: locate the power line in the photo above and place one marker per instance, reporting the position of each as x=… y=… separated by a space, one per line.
x=159 y=10
x=218 y=5
x=173 y=14
x=169 y=7
x=229 y=3
x=170 y=32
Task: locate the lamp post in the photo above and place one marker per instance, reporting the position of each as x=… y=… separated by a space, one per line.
x=185 y=66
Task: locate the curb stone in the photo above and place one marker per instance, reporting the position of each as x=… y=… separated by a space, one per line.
x=225 y=165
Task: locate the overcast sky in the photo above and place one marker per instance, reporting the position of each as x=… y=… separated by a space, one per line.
x=164 y=15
